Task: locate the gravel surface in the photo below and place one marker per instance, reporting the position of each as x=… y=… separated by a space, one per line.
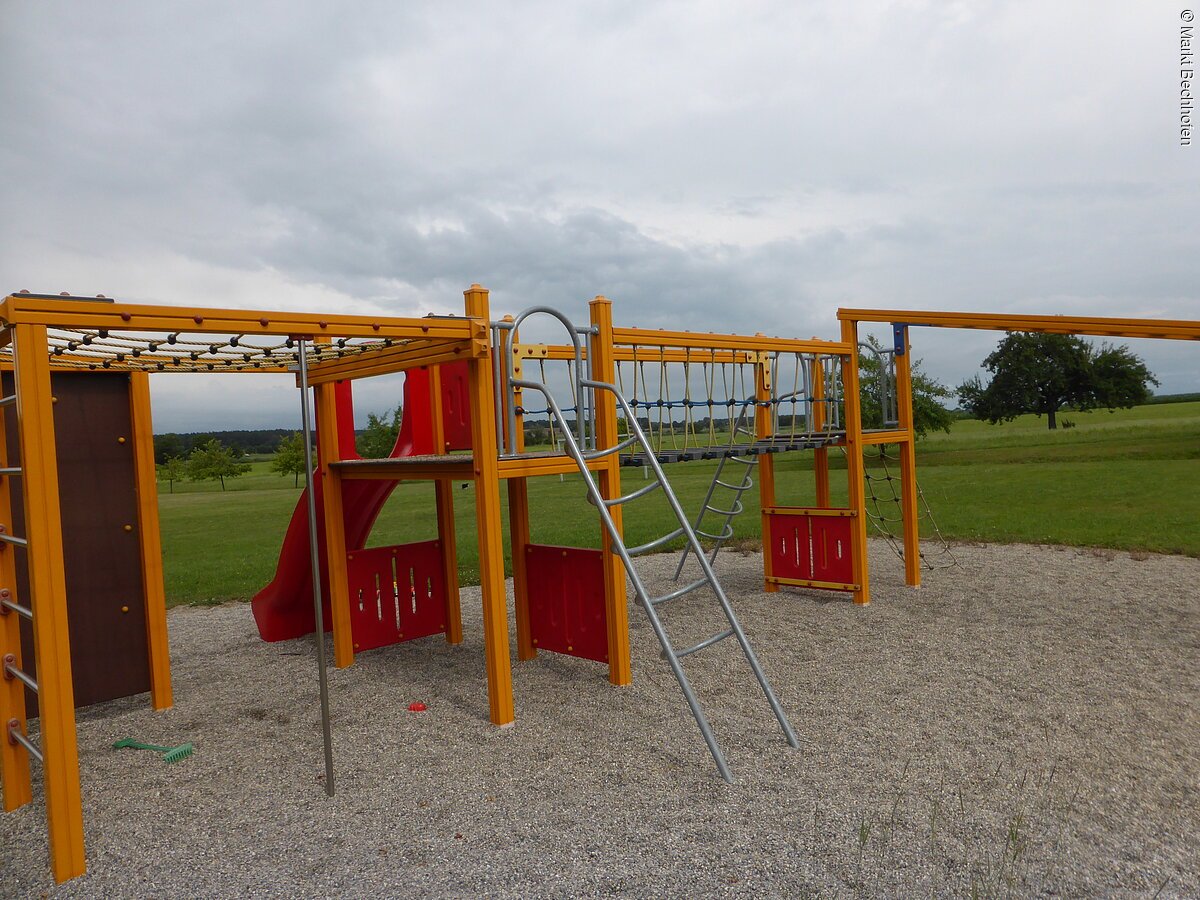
x=1026 y=723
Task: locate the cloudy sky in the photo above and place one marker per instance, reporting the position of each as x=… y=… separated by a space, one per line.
x=745 y=166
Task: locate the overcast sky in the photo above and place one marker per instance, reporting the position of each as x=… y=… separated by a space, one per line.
x=716 y=166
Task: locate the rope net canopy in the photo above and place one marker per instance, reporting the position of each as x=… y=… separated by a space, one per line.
x=95 y=349
x=269 y=342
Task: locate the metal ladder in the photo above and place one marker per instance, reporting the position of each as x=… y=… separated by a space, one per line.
x=577 y=449
x=725 y=531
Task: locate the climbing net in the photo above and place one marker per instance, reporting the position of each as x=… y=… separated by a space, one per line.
x=97 y=349
x=690 y=399
x=884 y=512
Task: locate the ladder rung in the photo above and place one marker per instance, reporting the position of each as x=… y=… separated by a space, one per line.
x=16 y=736
x=723 y=536
x=744 y=460
x=6 y=605
x=737 y=510
x=11 y=671
x=13 y=539
x=8 y=401
x=645 y=548
x=706 y=643
x=616 y=448
x=744 y=486
x=640 y=492
x=675 y=595
x=10 y=470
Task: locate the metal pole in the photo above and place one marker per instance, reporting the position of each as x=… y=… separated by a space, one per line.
x=314 y=554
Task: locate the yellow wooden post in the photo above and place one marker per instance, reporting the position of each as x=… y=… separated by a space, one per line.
x=763 y=418
x=602 y=364
x=908 y=463
x=150 y=542
x=487 y=519
x=48 y=600
x=854 y=463
x=14 y=761
x=821 y=454
x=444 y=492
x=518 y=525
x=328 y=452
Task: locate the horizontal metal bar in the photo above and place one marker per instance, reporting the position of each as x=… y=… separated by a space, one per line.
x=744 y=486
x=706 y=643
x=616 y=448
x=17 y=608
x=737 y=510
x=675 y=595
x=10 y=470
x=16 y=735
x=9 y=400
x=645 y=548
x=11 y=671
x=13 y=539
x=723 y=536
x=640 y=492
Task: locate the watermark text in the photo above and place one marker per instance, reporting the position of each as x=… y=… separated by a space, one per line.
x=1187 y=76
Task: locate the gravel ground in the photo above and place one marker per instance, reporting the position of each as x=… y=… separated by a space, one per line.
x=1026 y=723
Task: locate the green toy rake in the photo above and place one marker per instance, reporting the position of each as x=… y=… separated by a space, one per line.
x=169 y=754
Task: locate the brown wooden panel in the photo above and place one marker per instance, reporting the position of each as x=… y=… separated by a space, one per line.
x=103 y=564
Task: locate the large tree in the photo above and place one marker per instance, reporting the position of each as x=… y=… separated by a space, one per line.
x=1043 y=373
x=927 y=392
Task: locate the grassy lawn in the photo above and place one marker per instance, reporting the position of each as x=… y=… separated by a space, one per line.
x=1128 y=480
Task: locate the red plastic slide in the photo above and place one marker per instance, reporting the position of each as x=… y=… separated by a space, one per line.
x=284 y=608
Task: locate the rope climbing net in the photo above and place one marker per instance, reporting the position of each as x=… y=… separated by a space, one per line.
x=884 y=512
x=695 y=402
x=96 y=349
x=690 y=399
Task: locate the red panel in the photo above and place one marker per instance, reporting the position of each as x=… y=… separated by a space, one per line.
x=811 y=547
x=566 y=601
x=456 y=406
x=831 y=549
x=396 y=594
x=791 y=546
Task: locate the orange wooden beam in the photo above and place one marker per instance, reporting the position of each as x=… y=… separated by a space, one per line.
x=150 y=542
x=487 y=519
x=1098 y=326
x=48 y=600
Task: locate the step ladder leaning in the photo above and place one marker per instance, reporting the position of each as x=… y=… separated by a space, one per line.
x=733 y=506
x=731 y=493
x=45 y=609
x=576 y=448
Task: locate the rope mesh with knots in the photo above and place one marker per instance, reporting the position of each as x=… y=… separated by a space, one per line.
x=884 y=512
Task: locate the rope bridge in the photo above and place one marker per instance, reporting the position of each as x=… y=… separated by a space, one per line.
x=704 y=403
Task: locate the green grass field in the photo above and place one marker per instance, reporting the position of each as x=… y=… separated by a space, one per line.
x=1128 y=480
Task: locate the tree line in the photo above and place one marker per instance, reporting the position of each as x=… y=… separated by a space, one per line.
x=1041 y=374
x=206 y=457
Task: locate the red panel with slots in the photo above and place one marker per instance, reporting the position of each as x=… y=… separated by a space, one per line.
x=456 y=406
x=566 y=601
x=396 y=594
x=811 y=547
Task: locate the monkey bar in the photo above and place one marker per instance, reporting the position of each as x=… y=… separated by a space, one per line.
x=904 y=435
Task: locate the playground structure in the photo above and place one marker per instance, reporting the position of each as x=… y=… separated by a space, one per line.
x=468 y=397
